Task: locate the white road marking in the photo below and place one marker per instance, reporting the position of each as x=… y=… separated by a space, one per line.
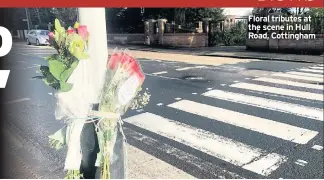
x=253 y=123
x=311 y=70
x=30 y=67
x=317 y=67
x=139 y=163
x=236 y=81
x=17 y=101
x=275 y=90
x=318 y=147
x=293 y=76
x=194 y=93
x=20 y=54
x=21 y=62
x=270 y=160
x=162 y=72
x=264 y=103
x=290 y=83
x=301 y=162
x=223 y=148
x=178 y=98
x=180 y=154
x=160 y=104
x=187 y=68
x=247 y=78
x=223 y=84
x=209 y=89
x=140 y=110
x=305 y=74
x=50 y=94
x=162 y=77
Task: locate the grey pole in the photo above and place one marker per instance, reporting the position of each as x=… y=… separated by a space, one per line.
x=95 y=20
x=27 y=17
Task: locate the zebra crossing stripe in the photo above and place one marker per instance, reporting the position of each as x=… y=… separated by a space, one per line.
x=187 y=68
x=290 y=83
x=311 y=70
x=293 y=76
x=281 y=91
x=158 y=73
x=228 y=150
x=305 y=74
x=264 y=103
x=261 y=125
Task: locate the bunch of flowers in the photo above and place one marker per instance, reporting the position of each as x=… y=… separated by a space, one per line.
x=121 y=91
x=71 y=47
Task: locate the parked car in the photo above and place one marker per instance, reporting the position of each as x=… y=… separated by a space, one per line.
x=38 y=37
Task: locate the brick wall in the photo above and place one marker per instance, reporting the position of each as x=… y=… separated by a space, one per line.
x=289 y=45
x=126 y=38
x=184 y=39
x=314 y=45
x=169 y=39
x=257 y=44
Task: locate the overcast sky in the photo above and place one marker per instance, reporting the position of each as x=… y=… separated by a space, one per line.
x=238 y=11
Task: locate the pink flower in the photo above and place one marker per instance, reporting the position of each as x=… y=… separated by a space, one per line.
x=50 y=37
x=70 y=31
x=83 y=32
x=113 y=61
x=133 y=68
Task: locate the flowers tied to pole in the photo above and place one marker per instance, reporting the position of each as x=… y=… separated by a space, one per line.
x=121 y=90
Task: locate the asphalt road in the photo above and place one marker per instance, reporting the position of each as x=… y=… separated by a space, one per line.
x=261 y=119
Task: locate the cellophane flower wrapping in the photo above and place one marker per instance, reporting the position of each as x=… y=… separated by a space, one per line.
x=123 y=81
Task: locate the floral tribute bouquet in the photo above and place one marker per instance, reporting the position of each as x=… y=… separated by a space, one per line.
x=120 y=90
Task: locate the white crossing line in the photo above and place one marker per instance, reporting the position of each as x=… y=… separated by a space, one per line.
x=162 y=72
x=301 y=162
x=275 y=90
x=264 y=103
x=182 y=155
x=317 y=67
x=306 y=74
x=311 y=70
x=17 y=101
x=293 y=76
x=317 y=147
x=187 y=68
x=261 y=125
x=221 y=147
x=290 y=83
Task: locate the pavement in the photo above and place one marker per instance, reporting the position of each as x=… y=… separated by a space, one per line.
x=239 y=52
x=232 y=118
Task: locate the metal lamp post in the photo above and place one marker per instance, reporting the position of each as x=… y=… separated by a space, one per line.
x=95 y=20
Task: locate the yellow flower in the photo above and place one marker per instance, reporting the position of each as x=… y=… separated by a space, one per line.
x=76 y=46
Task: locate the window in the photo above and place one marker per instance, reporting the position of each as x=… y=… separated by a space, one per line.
x=44 y=33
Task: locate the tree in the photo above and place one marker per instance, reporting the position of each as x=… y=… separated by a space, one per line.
x=319 y=12
x=67 y=16
x=300 y=11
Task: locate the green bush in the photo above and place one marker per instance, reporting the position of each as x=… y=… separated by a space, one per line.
x=233 y=36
